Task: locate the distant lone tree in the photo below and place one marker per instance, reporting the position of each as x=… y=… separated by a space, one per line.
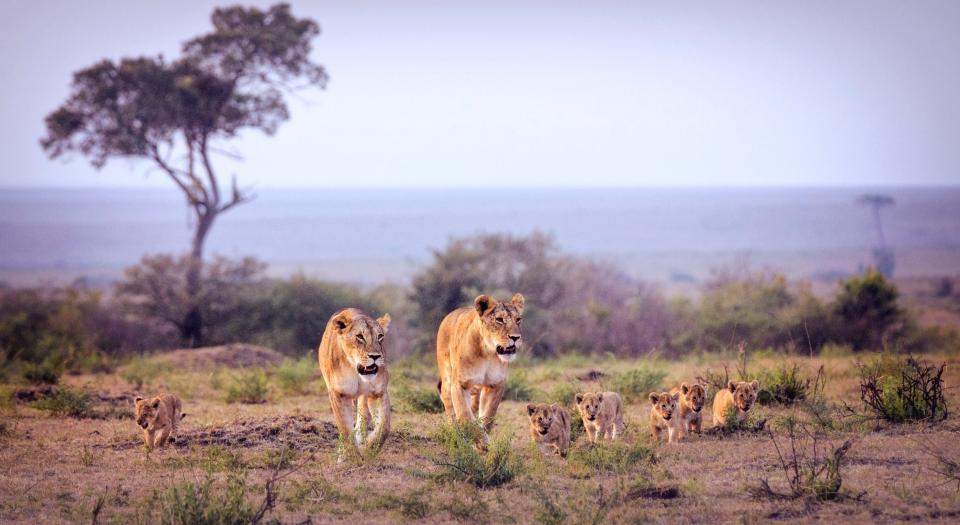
x=882 y=254
x=171 y=113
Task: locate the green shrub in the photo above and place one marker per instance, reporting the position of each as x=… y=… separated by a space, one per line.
x=636 y=383
x=868 y=310
x=518 y=387
x=784 y=386
x=140 y=371
x=66 y=402
x=46 y=372
x=420 y=399
x=295 y=376
x=218 y=458
x=898 y=390
x=498 y=466
x=249 y=387
x=189 y=503
x=609 y=457
x=562 y=393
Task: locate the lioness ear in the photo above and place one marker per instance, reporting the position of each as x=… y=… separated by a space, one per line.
x=684 y=388
x=341 y=321
x=518 y=301
x=530 y=409
x=654 y=397
x=756 y=385
x=732 y=386
x=483 y=304
x=578 y=398
x=384 y=322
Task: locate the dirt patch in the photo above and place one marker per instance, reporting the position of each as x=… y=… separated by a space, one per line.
x=230 y=356
x=34 y=393
x=721 y=431
x=665 y=492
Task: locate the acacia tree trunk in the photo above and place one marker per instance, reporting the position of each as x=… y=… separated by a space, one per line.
x=191 y=331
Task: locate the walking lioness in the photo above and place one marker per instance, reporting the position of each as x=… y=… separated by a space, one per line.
x=354 y=367
x=474 y=347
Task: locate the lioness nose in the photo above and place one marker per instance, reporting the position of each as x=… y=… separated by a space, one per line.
x=374 y=357
x=514 y=338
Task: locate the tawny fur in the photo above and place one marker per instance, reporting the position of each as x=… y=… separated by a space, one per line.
x=663 y=415
x=737 y=396
x=353 y=341
x=473 y=372
x=159 y=418
x=602 y=414
x=690 y=415
x=549 y=428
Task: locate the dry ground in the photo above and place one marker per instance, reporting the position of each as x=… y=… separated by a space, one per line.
x=56 y=469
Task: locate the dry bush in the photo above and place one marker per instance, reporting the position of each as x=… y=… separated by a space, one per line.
x=811 y=469
x=463 y=462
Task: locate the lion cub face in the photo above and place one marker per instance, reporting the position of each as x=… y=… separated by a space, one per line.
x=361 y=338
x=541 y=417
x=744 y=394
x=664 y=404
x=693 y=396
x=589 y=404
x=500 y=324
x=146 y=411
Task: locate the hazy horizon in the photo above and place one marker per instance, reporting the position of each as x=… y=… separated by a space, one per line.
x=539 y=94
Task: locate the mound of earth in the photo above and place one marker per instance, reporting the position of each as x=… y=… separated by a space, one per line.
x=297 y=432
x=236 y=355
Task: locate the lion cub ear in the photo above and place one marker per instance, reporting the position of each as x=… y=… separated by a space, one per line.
x=484 y=303
x=732 y=386
x=156 y=403
x=531 y=408
x=578 y=398
x=684 y=388
x=137 y=400
x=384 y=322
x=676 y=397
x=518 y=301
x=599 y=397
x=755 y=385
x=654 y=397
x=341 y=321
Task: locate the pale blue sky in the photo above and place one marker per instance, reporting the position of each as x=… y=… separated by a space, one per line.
x=546 y=93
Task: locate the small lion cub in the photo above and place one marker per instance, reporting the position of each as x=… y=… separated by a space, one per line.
x=692 y=398
x=602 y=414
x=158 y=415
x=737 y=396
x=549 y=428
x=661 y=415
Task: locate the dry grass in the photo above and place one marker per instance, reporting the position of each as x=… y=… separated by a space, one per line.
x=65 y=469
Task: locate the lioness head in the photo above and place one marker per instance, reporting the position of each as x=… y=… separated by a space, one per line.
x=361 y=338
x=664 y=404
x=744 y=394
x=146 y=411
x=693 y=396
x=500 y=324
x=541 y=416
x=589 y=404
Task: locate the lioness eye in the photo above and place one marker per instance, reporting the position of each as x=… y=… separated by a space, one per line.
x=360 y=339
x=380 y=337
x=519 y=319
x=500 y=320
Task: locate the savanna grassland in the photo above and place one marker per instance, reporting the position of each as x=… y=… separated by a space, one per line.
x=75 y=454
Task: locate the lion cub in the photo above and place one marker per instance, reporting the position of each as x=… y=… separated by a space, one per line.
x=602 y=414
x=158 y=415
x=549 y=427
x=737 y=396
x=661 y=415
x=689 y=418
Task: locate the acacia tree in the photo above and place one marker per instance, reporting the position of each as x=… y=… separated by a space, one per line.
x=171 y=113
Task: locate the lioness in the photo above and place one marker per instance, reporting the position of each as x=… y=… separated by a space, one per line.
x=662 y=414
x=689 y=418
x=474 y=347
x=737 y=396
x=602 y=414
x=353 y=366
x=161 y=414
x=549 y=427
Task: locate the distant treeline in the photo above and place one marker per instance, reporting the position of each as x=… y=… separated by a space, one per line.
x=575 y=305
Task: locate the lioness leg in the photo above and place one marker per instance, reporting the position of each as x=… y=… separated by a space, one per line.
x=362 y=425
x=475 y=399
x=460 y=397
x=342 y=408
x=490 y=397
x=381 y=421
